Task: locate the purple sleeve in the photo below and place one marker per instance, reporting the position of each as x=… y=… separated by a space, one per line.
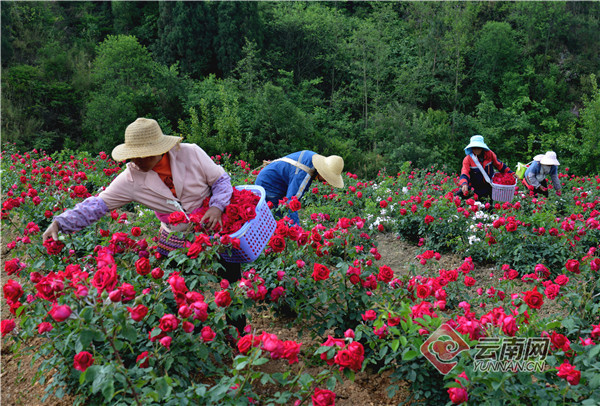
x=221 y=192
x=82 y=215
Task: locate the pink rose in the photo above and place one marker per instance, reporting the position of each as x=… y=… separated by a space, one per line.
x=207 y=334
x=60 y=312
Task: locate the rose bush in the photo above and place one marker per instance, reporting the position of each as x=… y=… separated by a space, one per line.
x=121 y=324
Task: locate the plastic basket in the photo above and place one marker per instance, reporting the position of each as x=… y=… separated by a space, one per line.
x=503 y=193
x=254 y=234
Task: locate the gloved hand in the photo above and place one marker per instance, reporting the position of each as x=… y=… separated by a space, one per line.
x=465 y=190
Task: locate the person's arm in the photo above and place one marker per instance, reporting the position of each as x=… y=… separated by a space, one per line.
x=555 y=180
x=465 y=175
x=82 y=215
x=499 y=165
x=221 y=195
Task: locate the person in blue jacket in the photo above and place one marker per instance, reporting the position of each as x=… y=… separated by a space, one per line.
x=292 y=175
x=540 y=168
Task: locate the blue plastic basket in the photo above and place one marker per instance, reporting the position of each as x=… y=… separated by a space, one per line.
x=254 y=234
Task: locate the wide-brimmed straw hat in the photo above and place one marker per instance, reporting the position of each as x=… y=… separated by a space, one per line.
x=144 y=138
x=476 y=142
x=330 y=168
x=549 y=159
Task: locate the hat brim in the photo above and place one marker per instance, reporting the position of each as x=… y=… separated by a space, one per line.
x=477 y=145
x=123 y=151
x=334 y=179
x=549 y=161
x=538 y=157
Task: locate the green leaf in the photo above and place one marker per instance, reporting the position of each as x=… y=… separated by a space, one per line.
x=129 y=332
x=241 y=365
x=394 y=345
x=409 y=355
x=331 y=383
x=260 y=361
x=108 y=389
x=162 y=387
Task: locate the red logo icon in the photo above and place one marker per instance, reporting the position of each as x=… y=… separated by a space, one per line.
x=442 y=347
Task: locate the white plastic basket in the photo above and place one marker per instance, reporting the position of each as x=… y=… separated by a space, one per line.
x=503 y=193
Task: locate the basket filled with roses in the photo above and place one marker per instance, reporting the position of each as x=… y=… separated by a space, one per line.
x=248 y=219
x=503 y=187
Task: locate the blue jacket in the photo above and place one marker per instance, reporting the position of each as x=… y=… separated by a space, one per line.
x=281 y=179
x=534 y=170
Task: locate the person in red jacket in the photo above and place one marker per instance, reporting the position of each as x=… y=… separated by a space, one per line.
x=479 y=162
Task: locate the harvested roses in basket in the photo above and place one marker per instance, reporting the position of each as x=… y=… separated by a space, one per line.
x=504 y=179
x=242 y=208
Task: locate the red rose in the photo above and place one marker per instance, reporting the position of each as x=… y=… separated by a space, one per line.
x=136 y=231
x=177 y=218
x=142 y=266
x=294 y=204
x=13 y=266
x=568 y=371
x=12 y=291
x=83 y=361
x=572 y=265
x=552 y=291
x=458 y=395
x=138 y=313
x=44 y=327
x=168 y=322
x=385 y=274
x=53 y=247
x=320 y=272
x=534 y=299
x=222 y=298
x=207 y=334
x=105 y=278
x=291 y=349
x=128 y=292
x=6 y=326
x=60 y=313
x=277 y=243
x=143 y=360
x=323 y=397
x=245 y=343
x=369 y=315
x=157 y=273
x=423 y=291
x=561 y=280
x=343 y=358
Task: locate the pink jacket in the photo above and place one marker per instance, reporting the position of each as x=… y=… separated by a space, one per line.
x=193 y=175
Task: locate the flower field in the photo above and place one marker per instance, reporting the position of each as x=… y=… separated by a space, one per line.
x=119 y=324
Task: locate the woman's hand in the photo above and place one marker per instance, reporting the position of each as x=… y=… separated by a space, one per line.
x=465 y=190
x=51 y=232
x=212 y=217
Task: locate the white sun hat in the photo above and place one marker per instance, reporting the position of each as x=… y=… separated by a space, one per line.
x=549 y=159
x=144 y=138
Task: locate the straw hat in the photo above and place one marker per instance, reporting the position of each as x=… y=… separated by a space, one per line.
x=330 y=168
x=476 y=142
x=144 y=138
x=549 y=159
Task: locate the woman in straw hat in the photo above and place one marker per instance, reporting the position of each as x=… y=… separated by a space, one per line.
x=164 y=175
x=542 y=166
x=478 y=163
x=292 y=175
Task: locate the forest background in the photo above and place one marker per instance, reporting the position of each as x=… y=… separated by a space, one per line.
x=379 y=83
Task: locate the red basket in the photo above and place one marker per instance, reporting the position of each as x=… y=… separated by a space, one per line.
x=254 y=234
x=503 y=193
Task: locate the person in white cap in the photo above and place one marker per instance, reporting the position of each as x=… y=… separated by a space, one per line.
x=292 y=175
x=478 y=163
x=542 y=166
x=166 y=176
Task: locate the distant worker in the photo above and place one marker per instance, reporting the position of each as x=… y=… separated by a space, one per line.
x=292 y=175
x=478 y=162
x=542 y=166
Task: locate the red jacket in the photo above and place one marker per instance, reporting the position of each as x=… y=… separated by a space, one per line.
x=470 y=173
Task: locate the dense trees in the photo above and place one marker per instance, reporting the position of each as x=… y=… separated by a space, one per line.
x=379 y=83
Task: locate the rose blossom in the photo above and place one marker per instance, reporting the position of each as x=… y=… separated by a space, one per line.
x=458 y=395
x=323 y=397
x=60 y=312
x=138 y=313
x=6 y=326
x=533 y=298
x=207 y=334
x=82 y=361
x=168 y=322
x=320 y=272
x=222 y=298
